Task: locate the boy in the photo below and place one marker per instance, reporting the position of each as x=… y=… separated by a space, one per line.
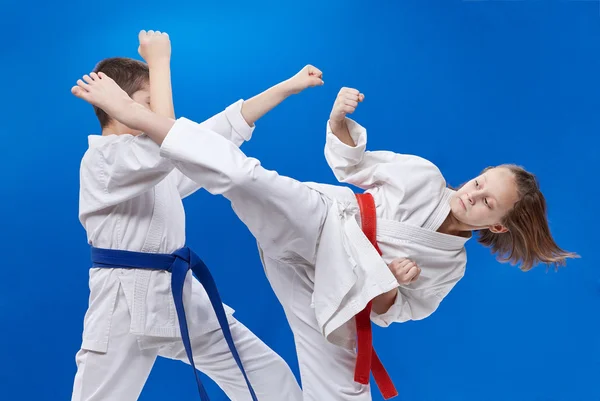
x=130 y=199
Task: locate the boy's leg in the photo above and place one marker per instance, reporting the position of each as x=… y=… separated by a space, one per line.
x=269 y=374
x=121 y=372
x=326 y=370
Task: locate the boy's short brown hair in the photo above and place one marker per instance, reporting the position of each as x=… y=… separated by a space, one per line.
x=131 y=75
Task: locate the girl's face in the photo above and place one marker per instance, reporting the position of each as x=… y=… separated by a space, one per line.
x=485 y=200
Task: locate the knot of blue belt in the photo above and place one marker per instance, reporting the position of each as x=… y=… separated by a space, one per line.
x=178 y=263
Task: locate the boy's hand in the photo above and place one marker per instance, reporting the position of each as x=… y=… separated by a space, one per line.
x=308 y=77
x=155 y=47
x=345 y=103
x=405 y=270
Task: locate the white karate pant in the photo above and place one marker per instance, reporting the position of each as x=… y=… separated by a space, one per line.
x=286 y=217
x=121 y=372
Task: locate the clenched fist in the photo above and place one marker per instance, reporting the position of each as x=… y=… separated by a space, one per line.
x=155 y=47
x=405 y=270
x=308 y=77
x=346 y=102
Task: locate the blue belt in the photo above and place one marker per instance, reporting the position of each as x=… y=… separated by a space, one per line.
x=178 y=264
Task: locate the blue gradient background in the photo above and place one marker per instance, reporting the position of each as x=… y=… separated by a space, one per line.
x=466 y=84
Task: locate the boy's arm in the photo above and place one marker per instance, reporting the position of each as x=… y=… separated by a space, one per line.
x=155 y=48
x=256 y=107
x=236 y=122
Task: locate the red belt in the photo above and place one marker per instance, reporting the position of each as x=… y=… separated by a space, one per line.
x=367 y=360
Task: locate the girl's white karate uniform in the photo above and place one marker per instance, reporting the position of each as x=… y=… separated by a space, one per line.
x=319 y=263
x=130 y=199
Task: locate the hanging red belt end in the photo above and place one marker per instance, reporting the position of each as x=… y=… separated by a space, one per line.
x=364 y=352
x=367 y=360
x=382 y=378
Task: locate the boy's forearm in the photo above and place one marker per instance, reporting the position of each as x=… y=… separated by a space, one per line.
x=152 y=124
x=161 y=93
x=253 y=109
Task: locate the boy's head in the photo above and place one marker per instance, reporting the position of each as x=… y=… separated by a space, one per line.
x=132 y=76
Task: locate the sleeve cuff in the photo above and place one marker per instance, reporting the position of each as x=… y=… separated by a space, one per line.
x=392 y=314
x=237 y=121
x=175 y=142
x=351 y=153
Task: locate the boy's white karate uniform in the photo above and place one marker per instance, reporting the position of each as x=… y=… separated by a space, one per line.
x=319 y=263
x=130 y=199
